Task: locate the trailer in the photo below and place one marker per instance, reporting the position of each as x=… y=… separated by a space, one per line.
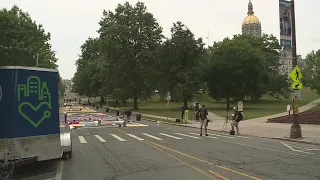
x=29 y=118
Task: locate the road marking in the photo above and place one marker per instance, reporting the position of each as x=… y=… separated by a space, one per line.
x=200 y=160
x=313 y=149
x=82 y=140
x=204 y=161
x=100 y=138
x=188 y=136
x=206 y=136
x=174 y=137
x=59 y=171
x=220 y=176
x=154 y=137
x=294 y=149
x=181 y=161
x=136 y=137
x=221 y=136
x=117 y=137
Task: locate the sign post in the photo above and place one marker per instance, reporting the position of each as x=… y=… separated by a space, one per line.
x=296 y=76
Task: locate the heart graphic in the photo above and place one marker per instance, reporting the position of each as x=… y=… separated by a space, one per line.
x=46 y=114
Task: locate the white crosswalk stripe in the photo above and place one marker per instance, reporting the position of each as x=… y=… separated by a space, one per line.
x=174 y=137
x=221 y=136
x=100 y=138
x=82 y=140
x=136 y=137
x=154 y=137
x=188 y=136
x=117 y=137
x=212 y=137
x=178 y=136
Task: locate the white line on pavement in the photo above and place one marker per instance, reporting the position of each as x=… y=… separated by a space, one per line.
x=188 y=136
x=136 y=137
x=117 y=137
x=221 y=136
x=82 y=140
x=313 y=149
x=154 y=137
x=100 y=138
x=274 y=150
x=174 y=137
x=207 y=136
x=59 y=170
x=294 y=149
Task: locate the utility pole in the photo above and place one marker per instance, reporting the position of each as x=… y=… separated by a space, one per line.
x=295 y=131
x=37 y=59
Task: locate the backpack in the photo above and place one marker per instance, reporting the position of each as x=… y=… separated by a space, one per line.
x=240 y=116
x=203 y=114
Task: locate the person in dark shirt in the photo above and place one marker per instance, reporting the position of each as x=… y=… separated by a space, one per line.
x=203 y=112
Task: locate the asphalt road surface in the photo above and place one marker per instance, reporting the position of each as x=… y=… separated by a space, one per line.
x=158 y=152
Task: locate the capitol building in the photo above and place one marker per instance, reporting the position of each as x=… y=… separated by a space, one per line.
x=251 y=26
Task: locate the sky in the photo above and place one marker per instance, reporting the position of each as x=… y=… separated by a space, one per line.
x=71 y=22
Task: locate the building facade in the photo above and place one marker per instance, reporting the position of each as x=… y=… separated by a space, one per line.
x=251 y=25
x=286 y=62
x=69 y=96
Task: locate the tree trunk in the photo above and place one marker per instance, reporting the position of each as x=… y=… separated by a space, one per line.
x=124 y=102
x=117 y=102
x=135 y=99
x=185 y=101
x=135 y=102
x=101 y=99
x=228 y=101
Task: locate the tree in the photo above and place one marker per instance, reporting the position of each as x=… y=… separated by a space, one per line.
x=87 y=79
x=274 y=83
x=181 y=63
x=311 y=72
x=21 y=39
x=129 y=38
x=236 y=68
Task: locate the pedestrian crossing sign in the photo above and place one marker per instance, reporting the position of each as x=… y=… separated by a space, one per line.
x=296 y=85
x=296 y=74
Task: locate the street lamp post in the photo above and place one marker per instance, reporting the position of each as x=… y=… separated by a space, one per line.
x=37 y=56
x=295 y=131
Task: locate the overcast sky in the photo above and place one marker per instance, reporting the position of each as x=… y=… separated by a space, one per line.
x=71 y=22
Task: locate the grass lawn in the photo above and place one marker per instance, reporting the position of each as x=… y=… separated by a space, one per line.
x=252 y=109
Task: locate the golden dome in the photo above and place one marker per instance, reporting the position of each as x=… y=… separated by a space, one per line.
x=251 y=19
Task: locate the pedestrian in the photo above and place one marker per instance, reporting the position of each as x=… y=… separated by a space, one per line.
x=197 y=107
x=203 y=112
x=237 y=117
x=183 y=108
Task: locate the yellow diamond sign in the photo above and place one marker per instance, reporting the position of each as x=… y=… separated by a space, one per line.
x=296 y=74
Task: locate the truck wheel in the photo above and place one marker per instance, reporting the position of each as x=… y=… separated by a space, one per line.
x=67 y=155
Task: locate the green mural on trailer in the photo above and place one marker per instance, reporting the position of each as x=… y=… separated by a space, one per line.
x=34 y=87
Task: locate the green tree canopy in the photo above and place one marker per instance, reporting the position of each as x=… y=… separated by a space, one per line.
x=311 y=72
x=181 y=63
x=236 y=67
x=129 y=38
x=21 y=39
x=87 y=79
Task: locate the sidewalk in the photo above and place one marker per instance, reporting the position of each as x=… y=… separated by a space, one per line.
x=258 y=126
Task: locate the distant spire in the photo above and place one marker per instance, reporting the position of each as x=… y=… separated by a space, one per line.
x=250 y=8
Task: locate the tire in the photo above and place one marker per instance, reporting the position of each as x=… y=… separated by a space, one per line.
x=67 y=155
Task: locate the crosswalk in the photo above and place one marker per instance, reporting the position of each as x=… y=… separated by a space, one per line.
x=155 y=136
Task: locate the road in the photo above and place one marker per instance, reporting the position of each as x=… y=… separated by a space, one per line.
x=172 y=152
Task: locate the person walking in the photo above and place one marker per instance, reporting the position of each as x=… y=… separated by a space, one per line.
x=203 y=112
x=237 y=117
